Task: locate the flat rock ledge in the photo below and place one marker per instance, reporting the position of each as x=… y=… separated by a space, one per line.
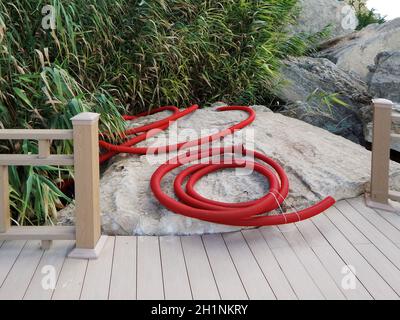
x=318 y=164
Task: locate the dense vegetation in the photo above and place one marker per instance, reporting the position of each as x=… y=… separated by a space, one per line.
x=111 y=56
x=365 y=16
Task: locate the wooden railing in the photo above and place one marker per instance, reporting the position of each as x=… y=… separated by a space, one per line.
x=380 y=193
x=87 y=229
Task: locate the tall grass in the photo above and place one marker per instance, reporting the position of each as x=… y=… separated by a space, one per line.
x=110 y=56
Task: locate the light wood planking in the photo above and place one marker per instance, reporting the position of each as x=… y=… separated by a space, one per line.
x=372 y=281
x=305 y=260
x=391 y=217
x=98 y=274
x=9 y=252
x=254 y=281
x=315 y=268
x=270 y=267
x=19 y=277
x=386 y=269
x=331 y=260
x=294 y=270
x=201 y=278
x=353 y=235
x=228 y=281
x=123 y=277
x=358 y=223
x=70 y=281
x=176 y=281
x=149 y=270
x=378 y=221
x=48 y=270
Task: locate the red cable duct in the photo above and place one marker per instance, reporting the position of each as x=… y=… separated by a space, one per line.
x=162 y=125
x=192 y=204
x=250 y=213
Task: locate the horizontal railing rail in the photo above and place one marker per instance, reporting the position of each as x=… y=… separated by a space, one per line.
x=87 y=229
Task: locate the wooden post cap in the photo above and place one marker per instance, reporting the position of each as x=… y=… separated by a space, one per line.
x=383 y=103
x=85 y=118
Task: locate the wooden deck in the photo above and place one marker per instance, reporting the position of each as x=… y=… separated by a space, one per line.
x=313 y=259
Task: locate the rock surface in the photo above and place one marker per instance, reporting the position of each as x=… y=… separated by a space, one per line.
x=356 y=51
x=307 y=84
x=317 y=162
x=315 y=15
x=384 y=77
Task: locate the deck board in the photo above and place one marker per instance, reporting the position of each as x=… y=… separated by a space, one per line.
x=149 y=269
x=370 y=278
x=70 y=282
x=9 y=253
x=268 y=264
x=228 y=281
x=311 y=259
x=201 y=277
x=48 y=271
x=253 y=279
x=380 y=241
x=331 y=260
x=98 y=274
x=377 y=220
x=391 y=217
x=20 y=275
x=300 y=279
x=176 y=281
x=123 y=276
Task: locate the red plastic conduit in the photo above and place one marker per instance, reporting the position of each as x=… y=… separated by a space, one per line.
x=162 y=125
x=191 y=204
x=145 y=130
x=250 y=213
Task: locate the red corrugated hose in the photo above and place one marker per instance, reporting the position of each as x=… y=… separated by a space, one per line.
x=192 y=204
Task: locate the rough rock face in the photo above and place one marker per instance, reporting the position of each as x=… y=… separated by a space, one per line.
x=384 y=77
x=357 y=51
x=317 y=162
x=307 y=84
x=317 y=14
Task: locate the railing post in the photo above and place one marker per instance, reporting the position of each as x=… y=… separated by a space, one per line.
x=86 y=162
x=381 y=142
x=4 y=200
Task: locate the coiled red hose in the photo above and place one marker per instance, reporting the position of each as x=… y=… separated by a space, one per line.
x=165 y=123
x=250 y=213
x=192 y=204
x=145 y=130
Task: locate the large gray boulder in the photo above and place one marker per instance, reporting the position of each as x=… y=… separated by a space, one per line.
x=356 y=51
x=315 y=15
x=384 y=76
x=317 y=162
x=311 y=86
